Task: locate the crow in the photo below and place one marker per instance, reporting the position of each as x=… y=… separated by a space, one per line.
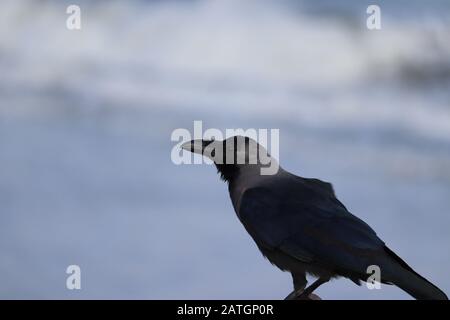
x=300 y=226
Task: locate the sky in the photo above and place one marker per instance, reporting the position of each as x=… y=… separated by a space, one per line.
x=86 y=118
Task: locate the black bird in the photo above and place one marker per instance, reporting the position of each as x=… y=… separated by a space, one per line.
x=300 y=225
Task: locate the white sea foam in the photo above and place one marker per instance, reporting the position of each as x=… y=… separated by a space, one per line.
x=245 y=57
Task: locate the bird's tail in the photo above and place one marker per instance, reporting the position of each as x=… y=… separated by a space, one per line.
x=410 y=281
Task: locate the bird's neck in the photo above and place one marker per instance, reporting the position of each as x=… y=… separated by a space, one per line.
x=243 y=179
x=231 y=172
x=228 y=172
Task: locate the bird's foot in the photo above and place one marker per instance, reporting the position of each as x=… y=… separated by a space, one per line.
x=311 y=296
x=301 y=295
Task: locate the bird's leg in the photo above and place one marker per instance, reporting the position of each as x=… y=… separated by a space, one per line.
x=309 y=290
x=300 y=282
x=293 y=295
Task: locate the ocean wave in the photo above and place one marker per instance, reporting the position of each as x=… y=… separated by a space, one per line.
x=257 y=57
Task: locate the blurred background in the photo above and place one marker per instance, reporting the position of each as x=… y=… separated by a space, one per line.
x=86 y=117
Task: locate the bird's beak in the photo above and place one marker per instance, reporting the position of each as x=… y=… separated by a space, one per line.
x=196 y=146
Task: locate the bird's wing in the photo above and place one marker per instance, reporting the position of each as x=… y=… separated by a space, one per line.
x=309 y=224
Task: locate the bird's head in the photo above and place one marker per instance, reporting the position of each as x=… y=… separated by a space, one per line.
x=233 y=155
